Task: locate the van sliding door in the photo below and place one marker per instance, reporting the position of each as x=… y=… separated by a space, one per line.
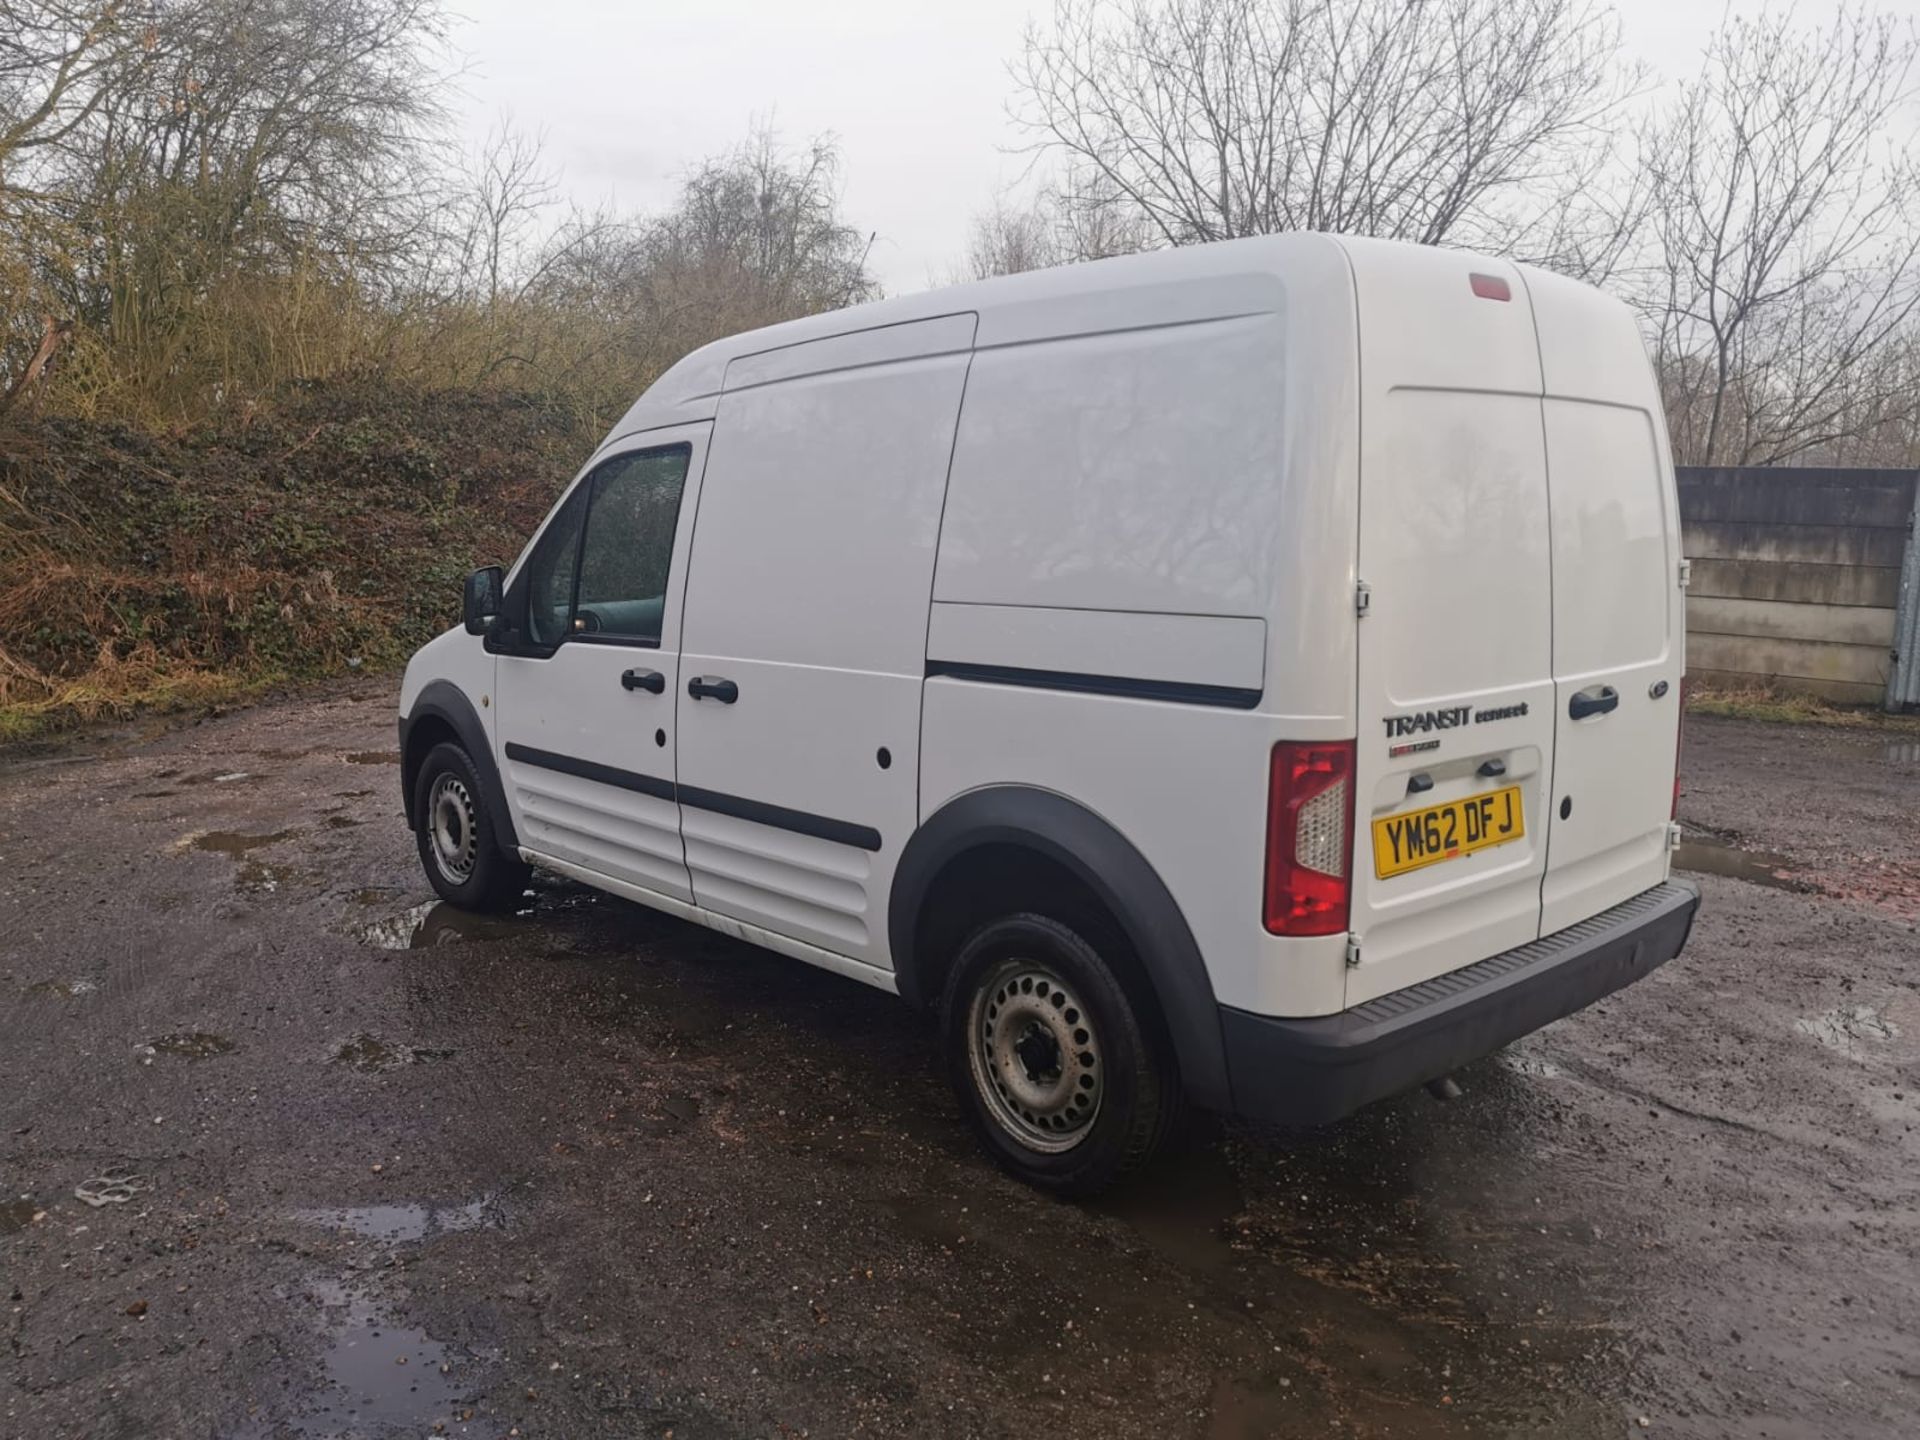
x=806 y=630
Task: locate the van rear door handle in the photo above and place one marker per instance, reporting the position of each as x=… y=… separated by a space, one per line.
x=649 y=680
x=1593 y=702
x=705 y=687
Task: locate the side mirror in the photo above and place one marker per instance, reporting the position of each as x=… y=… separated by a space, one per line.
x=481 y=600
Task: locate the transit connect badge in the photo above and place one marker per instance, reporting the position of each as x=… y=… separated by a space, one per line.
x=1451 y=718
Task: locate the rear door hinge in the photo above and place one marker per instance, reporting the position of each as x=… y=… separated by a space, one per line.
x=1674 y=834
x=1686 y=573
x=1362 y=598
x=1353 y=951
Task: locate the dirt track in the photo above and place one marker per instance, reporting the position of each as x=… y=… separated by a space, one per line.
x=593 y=1172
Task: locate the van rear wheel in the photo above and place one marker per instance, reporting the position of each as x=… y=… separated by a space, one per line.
x=1060 y=1079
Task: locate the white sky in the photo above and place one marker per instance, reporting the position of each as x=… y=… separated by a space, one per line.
x=629 y=95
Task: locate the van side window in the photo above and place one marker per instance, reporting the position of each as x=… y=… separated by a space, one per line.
x=551 y=569
x=629 y=545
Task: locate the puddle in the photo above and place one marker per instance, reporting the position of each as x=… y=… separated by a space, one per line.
x=373 y=895
x=676 y=1112
x=231 y=842
x=373 y=1056
x=1903 y=752
x=16 y=1215
x=342 y=822
x=374 y=757
x=1184 y=1209
x=1708 y=855
x=402 y=1223
x=189 y=1045
x=261 y=878
x=1845 y=1028
x=926 y=1218
x=683 y=1108
x=208 y=777
x=1243 y=1411
x=433 y=923
x=381 y=1379
x=254 y=875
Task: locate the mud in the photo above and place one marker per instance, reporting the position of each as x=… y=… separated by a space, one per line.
x=16 y=1215
x=586 y=1170
x=189 y=1045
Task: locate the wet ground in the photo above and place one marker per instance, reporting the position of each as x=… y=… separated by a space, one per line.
x=354 y=1164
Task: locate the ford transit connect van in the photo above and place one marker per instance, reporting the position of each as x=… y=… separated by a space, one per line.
x=1245 y=675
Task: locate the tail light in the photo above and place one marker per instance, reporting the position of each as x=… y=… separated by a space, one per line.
x=1679 y=748
x=1309 y=838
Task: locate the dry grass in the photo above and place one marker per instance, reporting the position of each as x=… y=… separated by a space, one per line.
x=34 y=706
x=1782 y=707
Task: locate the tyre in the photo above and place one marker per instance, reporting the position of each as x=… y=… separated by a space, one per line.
x=1060 y=1078
x=454 y=832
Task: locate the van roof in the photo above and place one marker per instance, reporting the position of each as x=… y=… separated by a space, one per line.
x=1126 y=291
x=1131 y=291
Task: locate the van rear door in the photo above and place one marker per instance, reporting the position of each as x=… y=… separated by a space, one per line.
x=1618 y=616
x=1456 y=690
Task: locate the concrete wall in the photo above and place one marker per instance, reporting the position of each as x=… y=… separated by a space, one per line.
x=1796 y=576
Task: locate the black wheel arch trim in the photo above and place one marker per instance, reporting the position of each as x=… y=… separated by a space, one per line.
x=443 y=700
x=1108 y=864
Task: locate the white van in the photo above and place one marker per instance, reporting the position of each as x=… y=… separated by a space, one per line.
x=1246 y=674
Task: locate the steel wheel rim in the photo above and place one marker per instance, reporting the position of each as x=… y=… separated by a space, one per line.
x=1035 y=1056
x=451 y=827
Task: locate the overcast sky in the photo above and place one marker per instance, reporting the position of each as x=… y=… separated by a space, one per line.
x=628 y=95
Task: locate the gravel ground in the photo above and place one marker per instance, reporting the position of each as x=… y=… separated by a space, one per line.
x=589 y=1171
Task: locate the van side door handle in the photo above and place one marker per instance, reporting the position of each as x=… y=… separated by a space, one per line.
x=651 y=681
x=703 y=687
x=1594 y=702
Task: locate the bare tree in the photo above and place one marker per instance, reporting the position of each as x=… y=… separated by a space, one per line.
x=1786 y=224
x=265 y=157
x=756 y=236
x=508 y=189
x=1007 y=239
x=1466 y=120
x=58 y=60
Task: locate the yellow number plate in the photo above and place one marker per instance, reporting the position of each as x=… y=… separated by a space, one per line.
x=1440 y=832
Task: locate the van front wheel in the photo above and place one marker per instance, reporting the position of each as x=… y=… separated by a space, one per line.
x=463 y=858
x=1058 y=1076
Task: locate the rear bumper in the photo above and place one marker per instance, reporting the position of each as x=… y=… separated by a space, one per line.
x=1307 y=1072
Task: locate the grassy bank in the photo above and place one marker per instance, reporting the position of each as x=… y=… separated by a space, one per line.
x=151 y=570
